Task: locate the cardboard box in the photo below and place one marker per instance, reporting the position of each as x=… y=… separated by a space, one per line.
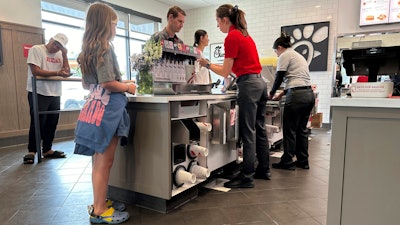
x=316 y=120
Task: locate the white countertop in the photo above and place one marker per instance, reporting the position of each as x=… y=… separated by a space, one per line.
x=366 y=102
x=173 y=98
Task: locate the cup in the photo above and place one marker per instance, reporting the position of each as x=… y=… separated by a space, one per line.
x=204 y=127
x=183 y=176
x=200 y=171
x=189 y=71
x=196 y=150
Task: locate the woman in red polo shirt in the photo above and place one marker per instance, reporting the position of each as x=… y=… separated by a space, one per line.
x=241 y=58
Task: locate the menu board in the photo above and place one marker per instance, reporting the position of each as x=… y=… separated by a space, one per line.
x=394 y=15
x=374 y=12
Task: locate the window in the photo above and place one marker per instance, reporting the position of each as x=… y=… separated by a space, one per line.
x=140 y=30
x=69 y=17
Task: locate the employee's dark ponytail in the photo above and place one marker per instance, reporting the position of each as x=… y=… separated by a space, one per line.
x=235 y=15
x=197 y=35
x=283 y=40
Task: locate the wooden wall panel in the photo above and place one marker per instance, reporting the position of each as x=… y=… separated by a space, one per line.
x=14 y=110
x=21 y=38
x=8 y=100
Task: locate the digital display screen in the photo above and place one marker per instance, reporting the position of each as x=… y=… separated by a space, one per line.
x=394 y=15
x=373 y=12
x=372 y=61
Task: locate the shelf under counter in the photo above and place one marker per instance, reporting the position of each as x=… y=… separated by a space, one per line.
x=188 y=117
x=182 y=97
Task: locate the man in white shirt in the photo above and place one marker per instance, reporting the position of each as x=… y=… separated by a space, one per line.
x=46 y=60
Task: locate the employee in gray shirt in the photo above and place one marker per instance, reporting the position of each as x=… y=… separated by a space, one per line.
x=292 y=69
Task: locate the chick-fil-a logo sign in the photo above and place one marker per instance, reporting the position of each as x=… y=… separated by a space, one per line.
x=217 y=53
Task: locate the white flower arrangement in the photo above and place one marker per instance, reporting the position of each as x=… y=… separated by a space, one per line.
x=144 y=62
x=151 y=54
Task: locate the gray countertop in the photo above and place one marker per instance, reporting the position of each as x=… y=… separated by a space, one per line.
x=366 y=102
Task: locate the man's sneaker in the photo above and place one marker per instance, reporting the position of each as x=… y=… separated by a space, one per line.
x=240 y=182
x=265 y=176
x=303 y=165
x=284 y=166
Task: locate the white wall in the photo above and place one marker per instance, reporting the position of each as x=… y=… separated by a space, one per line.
x=349 y=17
x=25 y=12
x=264 y=19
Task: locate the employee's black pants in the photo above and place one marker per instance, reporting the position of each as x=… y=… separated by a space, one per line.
x=296 y=113
x=252 y=99
x=48 y=122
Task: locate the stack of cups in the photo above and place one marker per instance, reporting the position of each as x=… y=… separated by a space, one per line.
x=196 y=150
x=182 y=176
x=199 y=171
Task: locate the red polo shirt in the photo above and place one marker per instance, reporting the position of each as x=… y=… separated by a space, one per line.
x=362 y=79
x=244 y=52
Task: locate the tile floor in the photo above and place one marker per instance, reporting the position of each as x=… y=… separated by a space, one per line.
x=57 y=192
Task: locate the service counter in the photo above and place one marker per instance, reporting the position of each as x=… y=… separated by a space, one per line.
x=364 y=184
x=163 y=129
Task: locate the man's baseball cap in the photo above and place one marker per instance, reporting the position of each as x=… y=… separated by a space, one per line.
x=61 y=38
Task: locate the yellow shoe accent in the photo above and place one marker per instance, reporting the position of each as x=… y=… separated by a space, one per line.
x=109 y=203
x=119 y=206
x=110 y=216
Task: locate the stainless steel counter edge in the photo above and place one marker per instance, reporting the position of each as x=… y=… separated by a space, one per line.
x=366 y=102
x=173 y=98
